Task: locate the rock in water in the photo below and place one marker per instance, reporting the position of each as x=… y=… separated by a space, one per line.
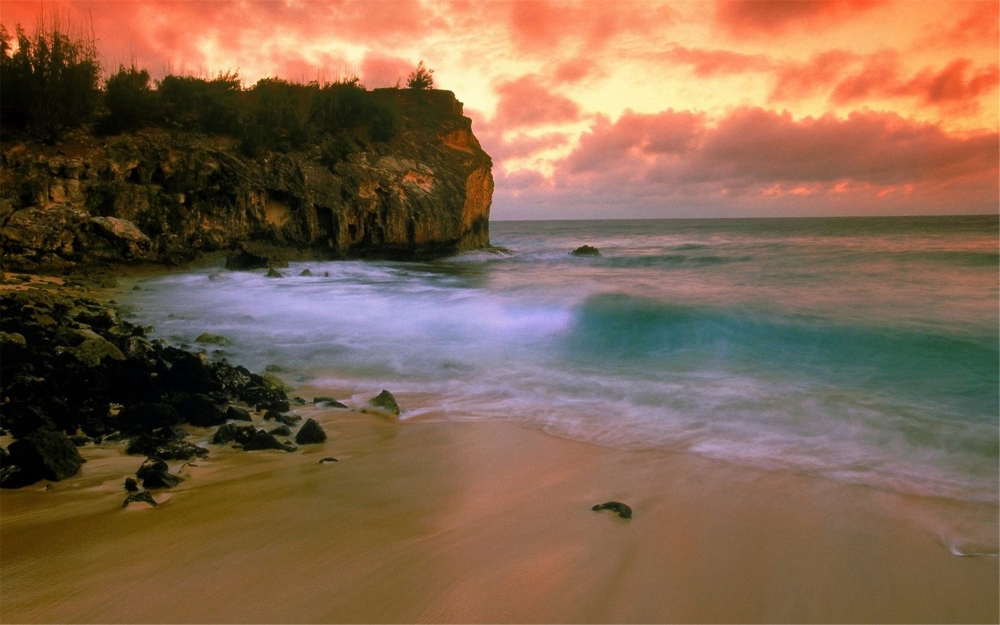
x=154 y=473
x=586 y=250
x=329 y=402
x=385 y=401
x=274 y=273
x=211 y=339
x=310 y=433
x=615 y=506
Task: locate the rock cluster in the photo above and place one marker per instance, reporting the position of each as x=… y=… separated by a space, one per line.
x=73 y=372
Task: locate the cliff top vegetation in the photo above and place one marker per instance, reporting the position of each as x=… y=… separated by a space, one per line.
x=51 y=83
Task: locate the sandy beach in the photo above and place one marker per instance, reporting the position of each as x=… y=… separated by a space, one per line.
x=429 y=521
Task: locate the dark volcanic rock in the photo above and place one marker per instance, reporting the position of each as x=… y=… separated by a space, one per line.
x=143 y=497
x=152 y=442
x=200 y=410
x=131 y=485
x=231 y=432
x=617 y=507
x=329 y=401
x=148 y=416
x=262 y=440
x=586 y=250
x=44 y=455
x=236 y=413
x=274 y=273
x=180 y=450
x=385 y=401
x=310 y=433
x=281 y=430
x=154 y=473
x=287 y=419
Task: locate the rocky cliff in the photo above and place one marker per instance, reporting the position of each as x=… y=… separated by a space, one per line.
x=163 y=195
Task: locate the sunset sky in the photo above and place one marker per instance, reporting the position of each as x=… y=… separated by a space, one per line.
x=603 y=109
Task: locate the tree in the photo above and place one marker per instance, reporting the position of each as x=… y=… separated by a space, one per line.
x=50 y=82
x=421 y=78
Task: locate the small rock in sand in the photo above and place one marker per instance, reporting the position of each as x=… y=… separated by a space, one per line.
x=385 y=401
x=617 y=507
x=143 y=497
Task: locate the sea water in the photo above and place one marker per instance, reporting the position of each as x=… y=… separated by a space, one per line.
x=857 y=349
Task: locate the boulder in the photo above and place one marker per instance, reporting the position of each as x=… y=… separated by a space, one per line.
x=310 y=433
x=200 y=410
x=287 y=419
x=148 y=417
x=124 y=235
x=385 y=401
x=274 y=273
x=45 y=454
x=154 y=473
x=231 y=432
x=586 y=250
x=262 y=440
x=617 y=507
x=281 y=430
x=328 y=402
x=211 y=339
x=92 y=351
x=235 y=413
x=131 y=485
x=274 y=382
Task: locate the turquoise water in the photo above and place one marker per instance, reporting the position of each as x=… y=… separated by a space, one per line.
x=861 y=350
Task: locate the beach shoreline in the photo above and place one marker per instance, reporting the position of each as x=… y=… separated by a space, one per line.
x=473 y=522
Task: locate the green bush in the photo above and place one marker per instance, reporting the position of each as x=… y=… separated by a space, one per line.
x=198 y=104
x=276 y=116
x=50 y=83
x=130 y=101
x=421 y=78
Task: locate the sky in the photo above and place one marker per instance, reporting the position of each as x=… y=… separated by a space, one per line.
x=619 y=109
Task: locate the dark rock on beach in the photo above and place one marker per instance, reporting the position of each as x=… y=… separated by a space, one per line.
x=131 y=485
x=201 y=410
x=281 y=430
x=328 y=402
x=143 y=497
x=230 y=432
x=154 y=473
x=310 y=433
x=44 y=455
x=262 y=440
x=235 y=413
x=385 y=401
x=617 y=507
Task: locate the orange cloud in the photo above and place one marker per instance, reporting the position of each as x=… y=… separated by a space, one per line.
x=748 y=18
x=525 y=102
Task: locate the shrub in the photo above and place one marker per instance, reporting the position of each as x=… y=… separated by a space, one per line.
x=276 y=115
x=421 y=78
x=130 y=101
x=50 y=83
x=196 y=103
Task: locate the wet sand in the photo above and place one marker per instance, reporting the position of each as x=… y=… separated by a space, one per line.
x=474 y=522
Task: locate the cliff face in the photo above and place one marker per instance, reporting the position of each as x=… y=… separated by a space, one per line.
x=162 y=196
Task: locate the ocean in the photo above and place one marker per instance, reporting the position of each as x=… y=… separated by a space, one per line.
x=863 y=350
